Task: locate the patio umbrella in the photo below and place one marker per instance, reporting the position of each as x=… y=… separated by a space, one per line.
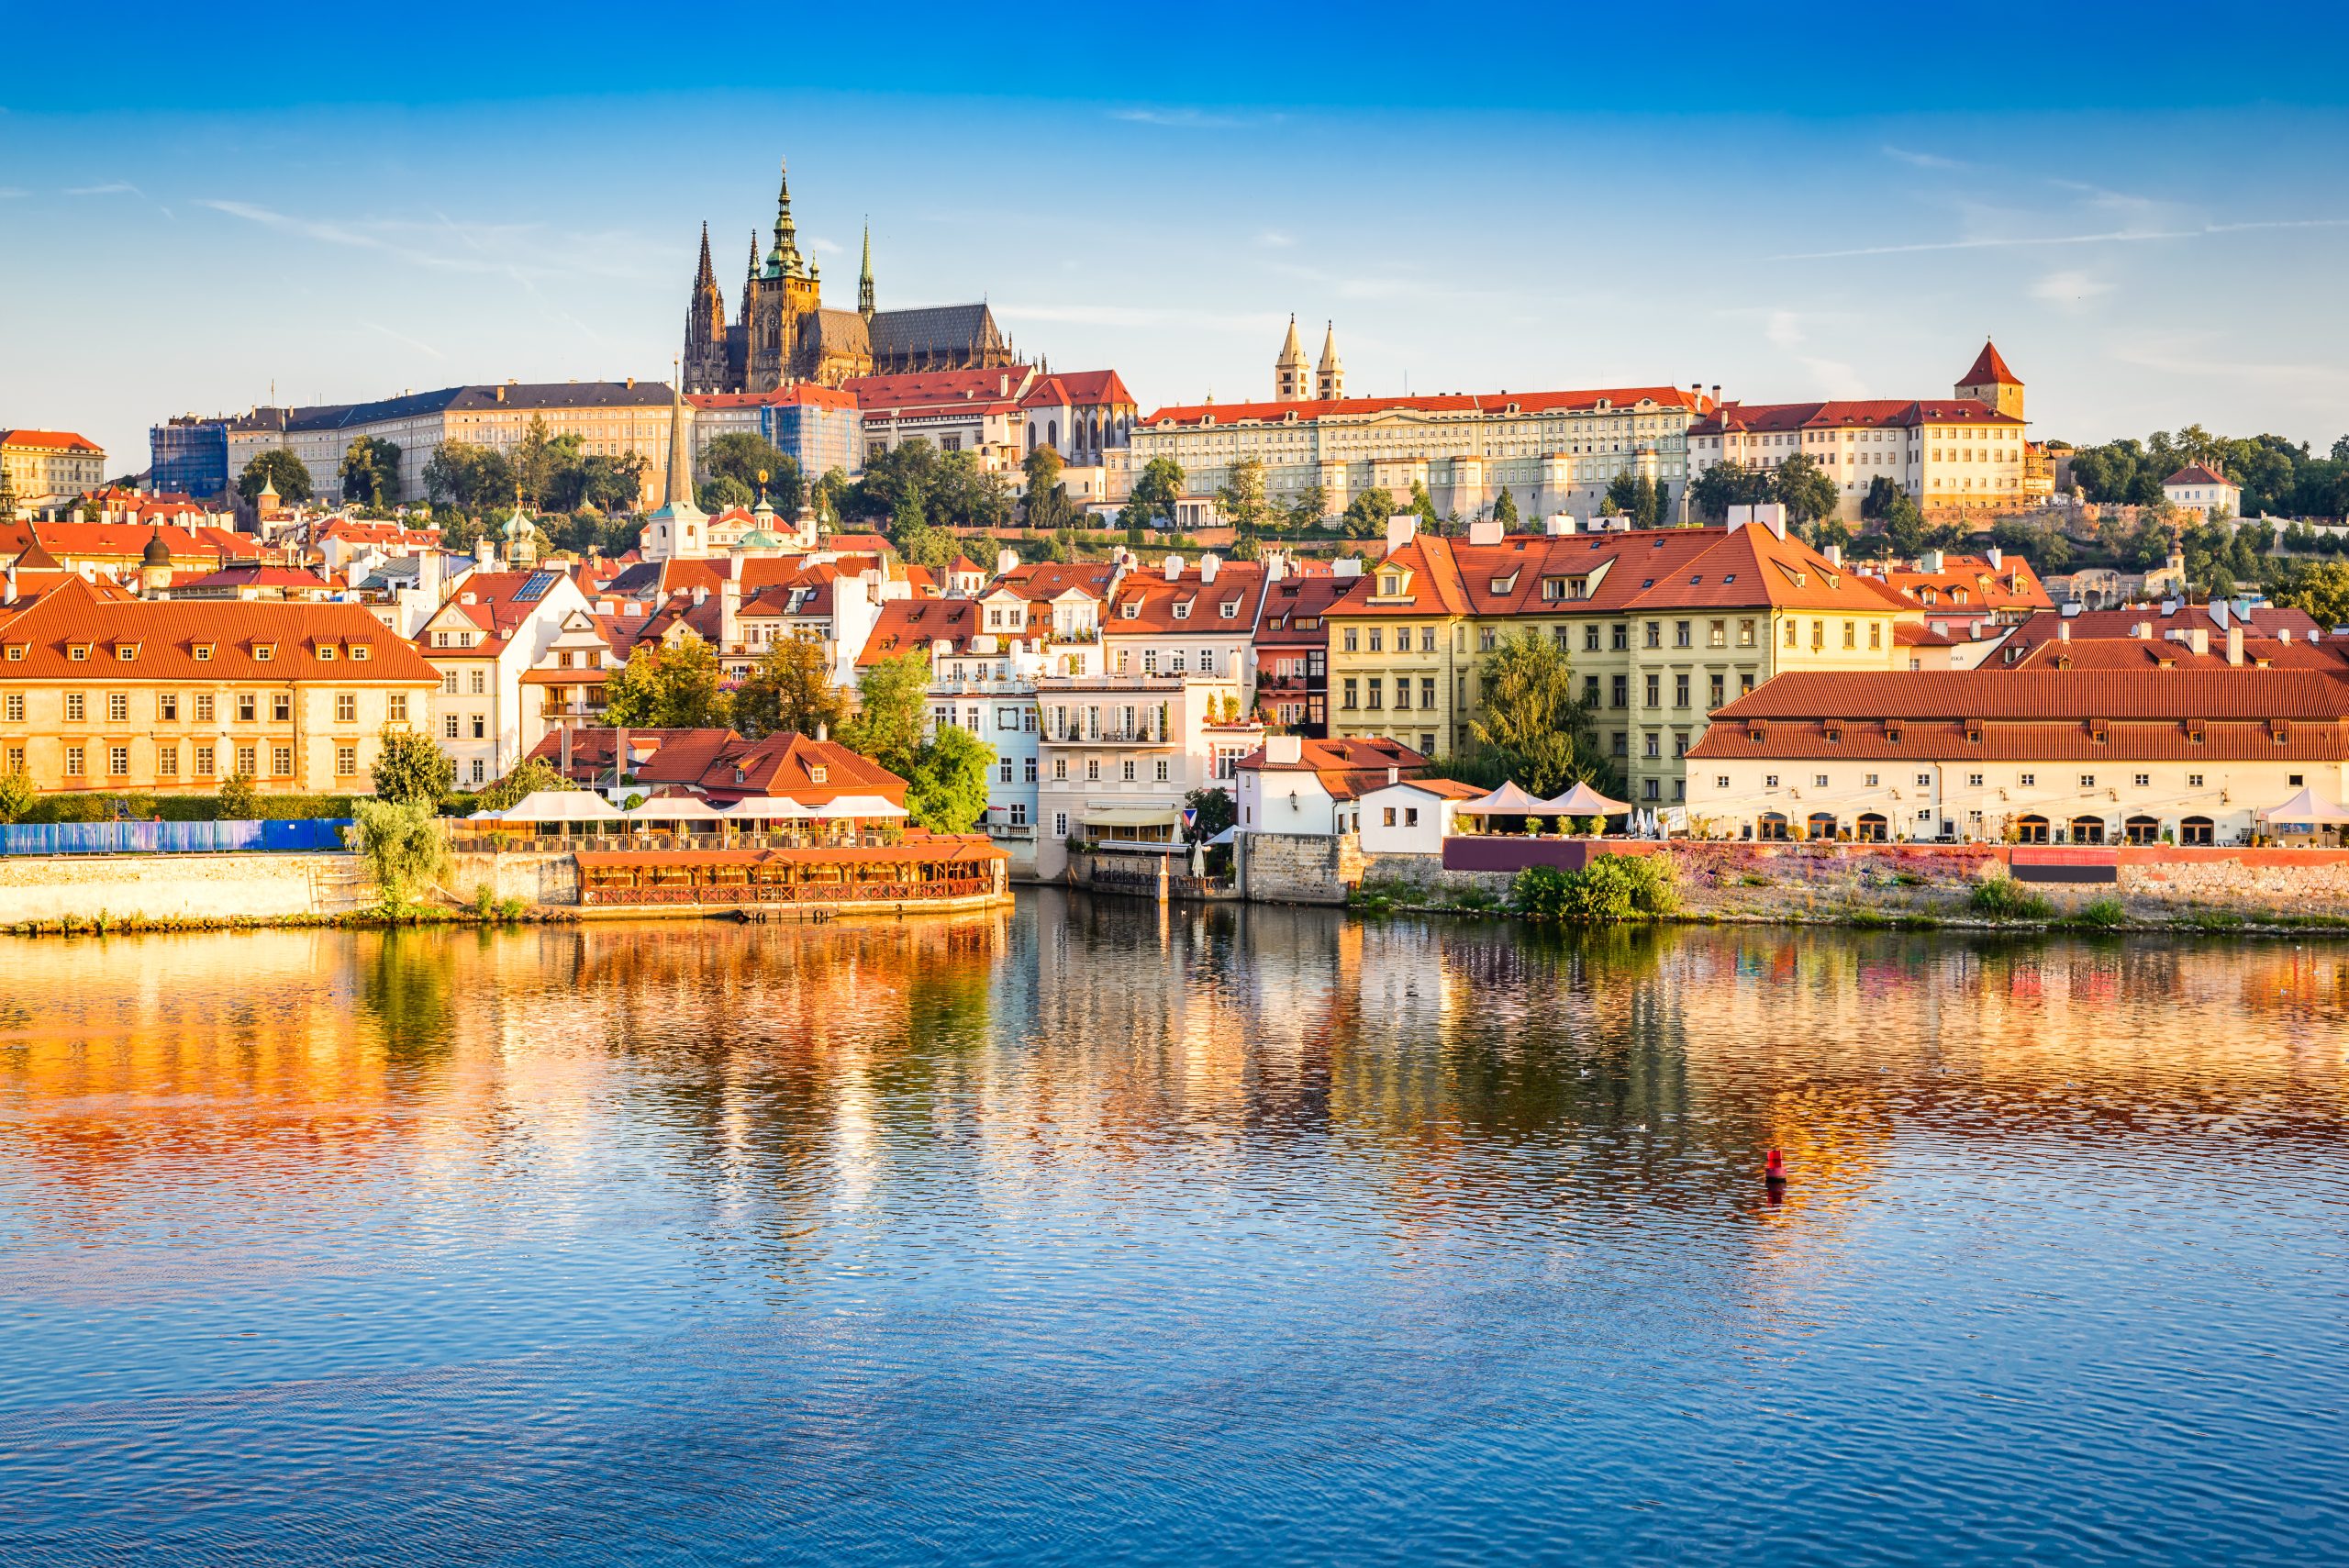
x=1506 y=800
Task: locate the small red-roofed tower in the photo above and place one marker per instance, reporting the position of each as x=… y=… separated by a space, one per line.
x=1991 y=384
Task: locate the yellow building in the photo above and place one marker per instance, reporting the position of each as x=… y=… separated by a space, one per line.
x=45 y=467
x=1663 y=626
x=176 y=695
x=1957 y=455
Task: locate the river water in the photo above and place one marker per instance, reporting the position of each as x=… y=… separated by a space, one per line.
x=1088 y=1232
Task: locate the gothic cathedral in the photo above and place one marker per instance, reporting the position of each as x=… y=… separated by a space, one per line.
x=783 y=334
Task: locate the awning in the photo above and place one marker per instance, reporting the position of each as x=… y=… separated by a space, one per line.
x=849 y=806
x=1130 y=817
x=676 y=808
x=562 y=805
x=2305 y=806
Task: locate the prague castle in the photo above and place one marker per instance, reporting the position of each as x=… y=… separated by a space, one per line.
x=783 y=334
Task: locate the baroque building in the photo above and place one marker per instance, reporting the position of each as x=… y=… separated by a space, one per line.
x=782 y=335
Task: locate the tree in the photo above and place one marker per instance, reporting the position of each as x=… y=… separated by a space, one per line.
x=1158 y=488
x=1307 y=510
x=946 y=789
x=890 y=698
x=525 y=778
x=403 y=847
x=742 y=455
x=409 y=767
x=1802 y=487
x=1505 y=510
x=1639 y=498
x=1621 y=491
x=1423 y=505
x=16 y=794
x=2322 y=588
x=1725 y=485
x=1047 y=506
x=277 y=469
x=1878 y=500
x=1533 y=723
x=474 y=477
x=717 y=494
x=1241 y=499
x=1904 y=524
x=667 y=688
x=240 y=802
x=1367 y=514
x=371 y=471
x=789 y=689
x=1215 y=811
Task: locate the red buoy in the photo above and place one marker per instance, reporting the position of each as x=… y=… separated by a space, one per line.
x=1773 y=1170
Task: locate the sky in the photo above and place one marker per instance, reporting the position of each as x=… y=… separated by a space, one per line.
x=2145 y=206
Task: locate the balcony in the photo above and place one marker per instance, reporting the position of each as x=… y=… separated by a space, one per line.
x=1141 y=736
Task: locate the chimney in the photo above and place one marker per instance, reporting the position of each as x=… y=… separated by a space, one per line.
x=1485 y=531
x=1996 y=557
x=1005 y=561
x=2063 y=631
x=1403 y=528
x=1208 y=564
x=823 y=730
x=1560 y=525
x=2235 y=643
x=1771 y=515
x=1835 y=553
x=1284 y=751
x=729 y=611
x=701 y=594
x=10 y=596
x=2199 y=639
x=1716 y=395
x=1394 y=775
x=1930 y=561
x=1173 y=568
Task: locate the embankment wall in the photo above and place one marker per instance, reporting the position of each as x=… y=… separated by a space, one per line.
x=181 y=887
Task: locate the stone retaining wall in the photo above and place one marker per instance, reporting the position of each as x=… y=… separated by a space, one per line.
x=181 y=887
x=1297 y=868
x=545 y=877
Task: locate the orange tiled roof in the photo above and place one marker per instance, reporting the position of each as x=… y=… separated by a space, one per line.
x=230 y=639
x=1147 y=602
x=1989 y=368
x=2058 y=695
x=1454 y=404
x=1846 y=414
x=49 y=441
x=2195 y=474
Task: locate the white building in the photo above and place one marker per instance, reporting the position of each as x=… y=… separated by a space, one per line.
x=492 y=629
x=1412 y=816
x=1298 y=786
x=1179 y=620
x=1119 y=753
x=2203 y=491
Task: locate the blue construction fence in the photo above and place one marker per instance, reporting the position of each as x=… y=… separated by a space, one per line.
x=169 y=838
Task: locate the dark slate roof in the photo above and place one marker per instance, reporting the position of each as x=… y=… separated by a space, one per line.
x=836 y=332
x=941 y=329
x=642 y=578
x=520 y=394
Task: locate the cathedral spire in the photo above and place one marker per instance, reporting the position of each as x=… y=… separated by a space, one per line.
x=705 y=278
x=1290 y=378
x=677 y=495
x=750 y=277
x=783 y=262
x=1329 y=377
x=864 y=278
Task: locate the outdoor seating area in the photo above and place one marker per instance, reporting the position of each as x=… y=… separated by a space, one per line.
x=921 y=868
x=1512 y=812
x=554 y=821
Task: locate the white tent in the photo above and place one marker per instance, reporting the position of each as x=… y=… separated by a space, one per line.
x=2308 y=807
x=676 y=808
x=1584 y=801
x=849 y=806
x=767 y=808
x=1506 y=800
x=562 y=805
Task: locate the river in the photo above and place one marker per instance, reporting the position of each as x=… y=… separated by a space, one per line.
x=1088 y=1232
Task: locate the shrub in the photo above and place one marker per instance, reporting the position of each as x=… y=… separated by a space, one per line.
x=17 y=796
x=2098 y=915
x=403 y=847
x=2004 y=898
x=1610 y=890
x=237 y=798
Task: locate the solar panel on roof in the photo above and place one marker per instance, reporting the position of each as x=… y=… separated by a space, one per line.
x=537 y=585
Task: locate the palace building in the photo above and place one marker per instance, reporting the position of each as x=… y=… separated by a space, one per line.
x=783 y=334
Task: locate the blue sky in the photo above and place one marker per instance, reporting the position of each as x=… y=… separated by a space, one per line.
x=2150 y=218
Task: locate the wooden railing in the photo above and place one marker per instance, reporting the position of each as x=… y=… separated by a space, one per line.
x=735 y=893
x=608 y=843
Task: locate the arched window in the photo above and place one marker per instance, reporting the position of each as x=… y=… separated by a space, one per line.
x=1032 y=435
x=2195 y=830
x=1822 y=825
x=2032 y=829
x=1771 y=825
x=1052 y=432
x=1097 y=434
x=2087 y=829
x=2142 y=830
x=1871 y=828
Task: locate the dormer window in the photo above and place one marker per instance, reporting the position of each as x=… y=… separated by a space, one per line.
x=1129 y=610
x=264 y=651
x=15 y=653
x=361 y=652
x=202 y=651
x=818 y=772
x=125 y=652
x=1230 y=609
x=1183 y=610
x=325 y=653
x=1390 y=584
x=738 y=777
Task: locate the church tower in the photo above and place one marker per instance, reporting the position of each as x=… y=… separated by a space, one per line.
x=704 y=360
x=1292 y=381
x=1991 y=384
x=1330 y=379
x=784 y=290
x=865 y=278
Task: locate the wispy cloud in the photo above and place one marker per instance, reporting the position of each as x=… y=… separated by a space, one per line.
x=1138 y=316
x=520 y=251
x=1922 y=160
x=2070 y=289
x=1190 y=119
x=826 y=247
x=420 y=346
x=1273 y=240
x=2199 y=357
x=9 y=191
x=1783 y=331
x=111 y=188
x=2030 y=241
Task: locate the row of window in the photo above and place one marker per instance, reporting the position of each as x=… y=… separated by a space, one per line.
x=202 y=758
x=1977 y=781
x=1375 y=687
x=480 y=683
x=203 y=707
x=1129 y=771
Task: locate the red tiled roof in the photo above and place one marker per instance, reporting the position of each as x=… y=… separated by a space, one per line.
x=726 y=767
x=1989 y=368
x=2195 y=474
x=1376 y=753
x=803 y=394
x=2011 y=585
x=2163 y=653
x=2007 y=741
x=126 y=542
x=1295 y=599
x=167 y=634
x=1456 y=404
x=65 y=440
x=1888 y=413
x=1147 y=602
x=1078 y=389
x=2074 y=696
x=910 y=625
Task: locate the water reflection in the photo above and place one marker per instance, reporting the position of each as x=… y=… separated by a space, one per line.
x=1265 y=1184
